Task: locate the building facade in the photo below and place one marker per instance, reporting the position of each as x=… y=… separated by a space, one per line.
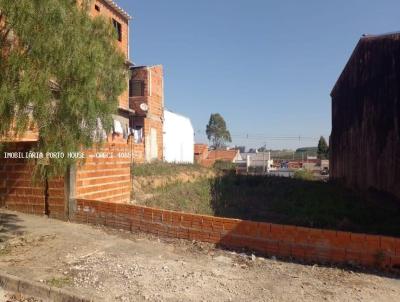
x=100 y=178
x=146 y=99
x=365 y=138
x=178 y=138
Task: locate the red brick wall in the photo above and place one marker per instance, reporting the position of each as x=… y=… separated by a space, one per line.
x=313 y=245
x=200 y=152
x=152 y=77
x=138 y=152
x=108 y=12
x=19 y=192
x=105 y=179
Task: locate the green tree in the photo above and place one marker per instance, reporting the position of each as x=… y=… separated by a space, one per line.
x=323 y=148
x=217 y=132
x=60 y=71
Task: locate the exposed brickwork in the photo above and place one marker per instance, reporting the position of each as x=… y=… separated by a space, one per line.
x=153 y=96
x=208 y=158
x=105 y=179
x=101 y=178
x=301 y=243
x=19 y=192
x=137 y=151
x=28 y=136
x=200 y=152
x=110 y=13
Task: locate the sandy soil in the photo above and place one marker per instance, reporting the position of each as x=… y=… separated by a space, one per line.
x=11 y=297
x=110 y=265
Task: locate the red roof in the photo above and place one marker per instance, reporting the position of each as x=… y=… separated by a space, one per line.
x=227 y=155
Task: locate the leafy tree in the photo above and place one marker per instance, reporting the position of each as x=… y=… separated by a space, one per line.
x=61 y=72
x=217 y=132
x=323 y=148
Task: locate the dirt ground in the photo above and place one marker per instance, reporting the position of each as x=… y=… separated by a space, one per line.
x=12 y=297
x=111 y=265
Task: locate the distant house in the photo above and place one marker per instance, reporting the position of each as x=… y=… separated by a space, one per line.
x=200 y=152
x=365 y=138
x=207 y=158
x=178 y=138
x=255 y=162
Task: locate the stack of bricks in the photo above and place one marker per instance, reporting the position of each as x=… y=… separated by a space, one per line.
x=306 y=244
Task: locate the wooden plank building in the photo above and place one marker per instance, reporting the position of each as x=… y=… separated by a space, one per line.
x=365 y=138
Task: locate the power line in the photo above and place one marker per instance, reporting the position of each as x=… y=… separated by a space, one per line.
x=263 y=137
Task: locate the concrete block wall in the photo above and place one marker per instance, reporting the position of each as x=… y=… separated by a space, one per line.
x=311 y=245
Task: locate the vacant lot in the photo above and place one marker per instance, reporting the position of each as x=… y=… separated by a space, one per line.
x=112 y=265
x=273 y=199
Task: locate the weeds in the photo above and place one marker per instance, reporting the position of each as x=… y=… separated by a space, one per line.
x=158 y=168
x=296 y=201
x=5 y=250
x=304 y=175
x=59 y=282
x=192 y=197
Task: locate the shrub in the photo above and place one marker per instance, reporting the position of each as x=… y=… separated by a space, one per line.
x=226 y=166
x=304 y=175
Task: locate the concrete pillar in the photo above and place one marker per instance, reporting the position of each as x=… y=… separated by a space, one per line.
x=70 y=191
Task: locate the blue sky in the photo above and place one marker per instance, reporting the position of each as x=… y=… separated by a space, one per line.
x=267 y=66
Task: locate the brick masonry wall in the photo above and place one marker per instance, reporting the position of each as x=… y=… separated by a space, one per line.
x=19 y=192
x=200 y=152
x=138 y=152
x=110 y=13
x=311 y=245
x=105 y=179
x=152 y=77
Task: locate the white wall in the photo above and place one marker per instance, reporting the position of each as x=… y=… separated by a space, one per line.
x=178 y=138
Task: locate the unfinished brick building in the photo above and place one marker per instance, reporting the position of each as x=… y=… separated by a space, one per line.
x=146 y=99
x=101 y=178
x=365 y=139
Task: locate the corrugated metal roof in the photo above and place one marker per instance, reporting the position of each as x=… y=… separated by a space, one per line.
x=114 y=5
